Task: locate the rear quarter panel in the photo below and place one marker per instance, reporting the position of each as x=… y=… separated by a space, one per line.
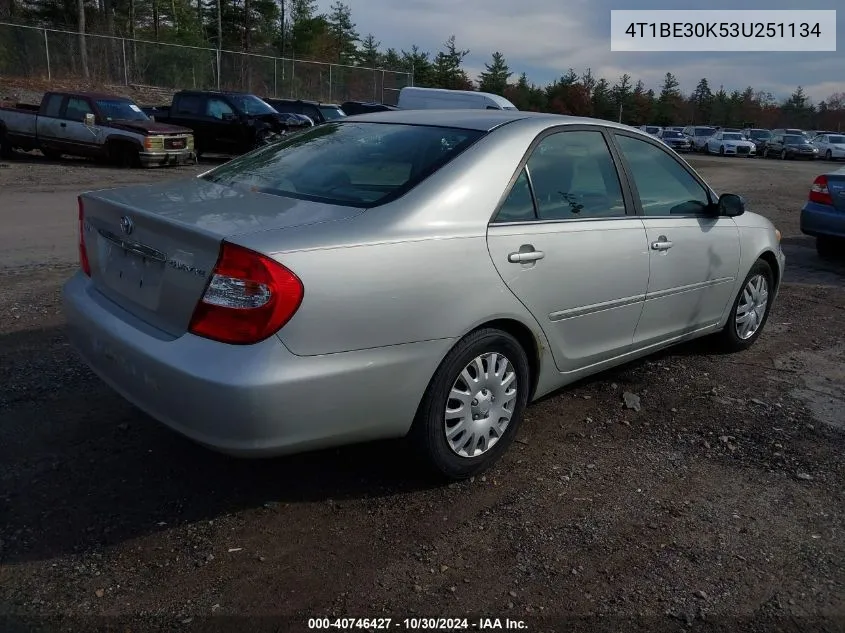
x=18 y=123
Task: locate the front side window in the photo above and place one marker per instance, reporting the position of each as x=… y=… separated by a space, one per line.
x=217 y=108
x=664 y=186
x=354 y=164
x=574 y=177
x=188 y=104
x=77 y=109
x=332 y=113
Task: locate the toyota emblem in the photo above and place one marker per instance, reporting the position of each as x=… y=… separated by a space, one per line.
x=126 y=224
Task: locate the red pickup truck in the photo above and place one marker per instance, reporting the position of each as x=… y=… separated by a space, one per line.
x=93 y=125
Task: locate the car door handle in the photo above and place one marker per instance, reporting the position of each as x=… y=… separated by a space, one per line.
x=661 y=245
x=527 y=256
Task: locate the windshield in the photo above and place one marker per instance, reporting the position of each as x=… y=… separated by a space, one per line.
x=836 y=139
x=347 y=163
x=120 y=110
x=332 y=112
x=652 y=130
x=795 y=139
x=250 y=104
x=672 y=134
x=509 y=108
x=705 y=131
x=759 y=134
x=732 y=136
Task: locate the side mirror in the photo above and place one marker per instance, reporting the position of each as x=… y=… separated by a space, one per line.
x=731 y=205
x=89 y=120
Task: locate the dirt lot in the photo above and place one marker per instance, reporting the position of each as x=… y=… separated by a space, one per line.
x=717 y=506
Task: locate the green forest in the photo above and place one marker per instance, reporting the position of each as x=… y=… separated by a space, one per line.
x=296 y=29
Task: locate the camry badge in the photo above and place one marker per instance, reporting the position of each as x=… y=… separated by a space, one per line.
x=127 y=225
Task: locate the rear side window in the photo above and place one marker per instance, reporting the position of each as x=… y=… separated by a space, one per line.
x=54 y=105
x=353 y=163
x=188 y=104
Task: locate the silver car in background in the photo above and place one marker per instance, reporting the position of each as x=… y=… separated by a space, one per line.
x=411 y=273
x=698 y=135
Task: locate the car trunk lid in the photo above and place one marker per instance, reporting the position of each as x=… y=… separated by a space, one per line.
x=152 y=249
x=836 y=187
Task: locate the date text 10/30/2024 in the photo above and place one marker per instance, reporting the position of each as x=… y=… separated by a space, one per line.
x=417 y=624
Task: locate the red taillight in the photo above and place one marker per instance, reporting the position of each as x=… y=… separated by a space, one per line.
x=83 y=251
x=819 y=191
x=249 y=297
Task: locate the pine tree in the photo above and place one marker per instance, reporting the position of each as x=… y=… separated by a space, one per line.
x=495 y=77
x=343 y=35
x=370 y=55
x=447 y=67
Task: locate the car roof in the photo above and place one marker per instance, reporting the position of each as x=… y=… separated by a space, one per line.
x=481 y=120
x=91 y=95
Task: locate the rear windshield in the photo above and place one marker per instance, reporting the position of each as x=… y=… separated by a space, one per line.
x=672 y=134
x=705 y=131
x=759 y=134
x=652 y=130
x=347 y=163
x=732 y=136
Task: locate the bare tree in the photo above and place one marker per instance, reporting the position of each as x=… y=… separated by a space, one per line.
x=83 y=50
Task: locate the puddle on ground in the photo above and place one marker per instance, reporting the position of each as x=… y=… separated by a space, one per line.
x=821 y=382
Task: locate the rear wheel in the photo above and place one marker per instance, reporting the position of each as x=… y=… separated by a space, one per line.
x=51 y=154
x=6 y=151
x=750 y=310
x=473 y=406
x=829 y=247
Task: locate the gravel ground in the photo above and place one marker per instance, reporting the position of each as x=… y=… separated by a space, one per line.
x=717 y=505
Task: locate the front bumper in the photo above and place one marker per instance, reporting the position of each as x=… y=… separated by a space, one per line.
x=249 y=400
x=167 y=157
x=822 y=220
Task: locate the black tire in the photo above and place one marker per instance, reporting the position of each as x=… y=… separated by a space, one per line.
x=124 y=155
x=828 y=155
x=50 y=154
x=830 y=247
x=722 y=150
x=783 y=154
x=729 y=338
x=6 y=151
x=428 y=432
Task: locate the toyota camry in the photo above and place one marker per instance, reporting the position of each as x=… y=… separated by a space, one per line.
x=410 y=273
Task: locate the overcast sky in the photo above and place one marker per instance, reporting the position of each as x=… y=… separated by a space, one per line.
x=544 y=38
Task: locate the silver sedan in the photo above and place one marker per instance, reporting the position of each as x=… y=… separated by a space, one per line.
x=419 y=273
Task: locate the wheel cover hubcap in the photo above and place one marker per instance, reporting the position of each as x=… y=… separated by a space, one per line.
x=480 y=405
x=752 y=307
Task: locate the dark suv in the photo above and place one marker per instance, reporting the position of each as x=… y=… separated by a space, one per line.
x=316 y=111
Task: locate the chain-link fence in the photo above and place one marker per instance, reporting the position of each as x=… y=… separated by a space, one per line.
x=32 y=52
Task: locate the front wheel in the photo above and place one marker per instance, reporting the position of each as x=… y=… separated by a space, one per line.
x=722 y=150
x=828 y=155
x=783 y=154
x=473 y=406
x=750 y=310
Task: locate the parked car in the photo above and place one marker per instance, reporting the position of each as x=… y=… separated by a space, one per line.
x=823 y=215
x=759 y=137
x=676 y=140
x=223 y=122
x=94 y=125
x=831 y=146
x=791 y=131
x=316 y=111
x=654 y=130
x=698 y=135
x=790 y=146
x=265 y=317
x=413 y=98
x=365 y=107
x=814 y=133
x=730 y=144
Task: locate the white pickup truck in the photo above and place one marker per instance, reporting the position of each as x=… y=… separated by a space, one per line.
x=93 y=125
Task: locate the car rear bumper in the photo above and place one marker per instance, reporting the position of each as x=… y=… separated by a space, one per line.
x=249 y=400
x=821 y=219
x=167 y=157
